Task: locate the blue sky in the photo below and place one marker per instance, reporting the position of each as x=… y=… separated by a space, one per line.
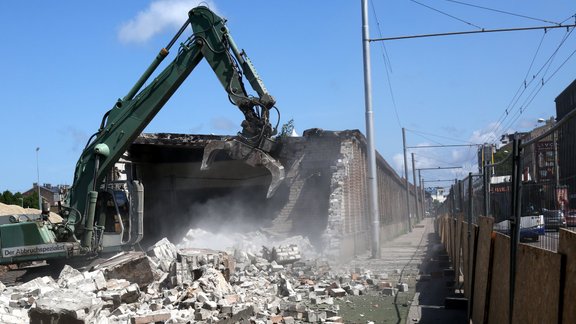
x=65 y=63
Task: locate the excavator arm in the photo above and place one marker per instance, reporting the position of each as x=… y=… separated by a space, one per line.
x=131 y=114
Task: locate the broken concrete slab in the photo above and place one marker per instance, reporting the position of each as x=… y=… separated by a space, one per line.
x=132 y=266
x=163 y=253
x=65 y=306
x=190 y=262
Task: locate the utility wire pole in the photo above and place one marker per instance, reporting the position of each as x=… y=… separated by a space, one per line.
x=406 y=178
x=418 y=215
x=372 y=176
x=38 y=180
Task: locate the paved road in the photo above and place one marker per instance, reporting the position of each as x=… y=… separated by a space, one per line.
x=413 y=258
x=432 y=288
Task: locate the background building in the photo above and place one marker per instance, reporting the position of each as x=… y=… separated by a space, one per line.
x=565 y=103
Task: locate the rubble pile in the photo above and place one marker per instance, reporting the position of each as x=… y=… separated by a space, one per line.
x=173 y=285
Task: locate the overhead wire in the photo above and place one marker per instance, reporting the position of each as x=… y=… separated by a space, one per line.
x=535 y=92
x=512 y=113
x=570 y=17
x=439 y=136
x=387 y=65
x=431 y=140
x=508 y=112
x=447 y=14
x=518 y=91
x=504 y=12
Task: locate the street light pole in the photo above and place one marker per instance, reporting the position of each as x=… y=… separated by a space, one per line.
x=38 y=179
x=371 y=154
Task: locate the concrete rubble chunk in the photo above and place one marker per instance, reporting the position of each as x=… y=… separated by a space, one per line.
x=213 y=281
x=389 y=291
x=402 y=287
x=152 y=317
x=65 y=306
x=130 y=294
x=335 y=319
x=38 y=283
x=68 y=276
x=163 y=253
x=131 y=266
x=337 y=292
x=190 y=263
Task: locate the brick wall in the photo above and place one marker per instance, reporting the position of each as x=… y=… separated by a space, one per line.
x=338 y=160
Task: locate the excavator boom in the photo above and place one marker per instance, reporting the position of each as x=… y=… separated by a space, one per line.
x=85 y=223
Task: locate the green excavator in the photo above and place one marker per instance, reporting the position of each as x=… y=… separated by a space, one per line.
x=103 y=209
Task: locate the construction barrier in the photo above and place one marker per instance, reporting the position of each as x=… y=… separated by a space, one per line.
x=545 y=288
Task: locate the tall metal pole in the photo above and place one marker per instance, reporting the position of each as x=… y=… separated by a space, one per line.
x=415 y=188
x=515 y=219
x=372 y=177
x=470 y=250
x=406 y=178
x=487 y=177
x=422 y=194
x=38 y=179
x=424 y=205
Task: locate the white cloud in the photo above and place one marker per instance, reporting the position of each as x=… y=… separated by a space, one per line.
x=487 y=135
x=434 y=157
x=398 y=163
x=158 y=17
x=224 y=124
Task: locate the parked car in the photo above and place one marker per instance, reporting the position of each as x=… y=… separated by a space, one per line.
x=554 y=219
x=531 y=227
x=571 y=218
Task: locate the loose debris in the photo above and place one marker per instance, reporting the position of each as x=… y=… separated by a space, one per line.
x=172 y=285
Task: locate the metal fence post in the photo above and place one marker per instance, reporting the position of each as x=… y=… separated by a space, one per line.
x=515 y=217
x=487 y=176
x=470 y=247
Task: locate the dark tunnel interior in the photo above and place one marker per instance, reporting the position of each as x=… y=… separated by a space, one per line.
x=230 y=196
x=179 y=196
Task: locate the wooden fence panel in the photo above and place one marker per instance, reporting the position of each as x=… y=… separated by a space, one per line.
x=500 y=285
x=567 y=247
x=536 y=292
x=482 y=266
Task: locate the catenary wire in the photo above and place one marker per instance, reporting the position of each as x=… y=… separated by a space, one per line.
x=436 y=135
x=529 y=100
x=545 y=67
x=504 y=12
x=388 y=67
x=447 y=14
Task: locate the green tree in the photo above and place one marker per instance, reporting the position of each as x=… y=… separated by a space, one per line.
x=505 y=168
x=287 y=129
x=31 y=201
x=7 y=197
